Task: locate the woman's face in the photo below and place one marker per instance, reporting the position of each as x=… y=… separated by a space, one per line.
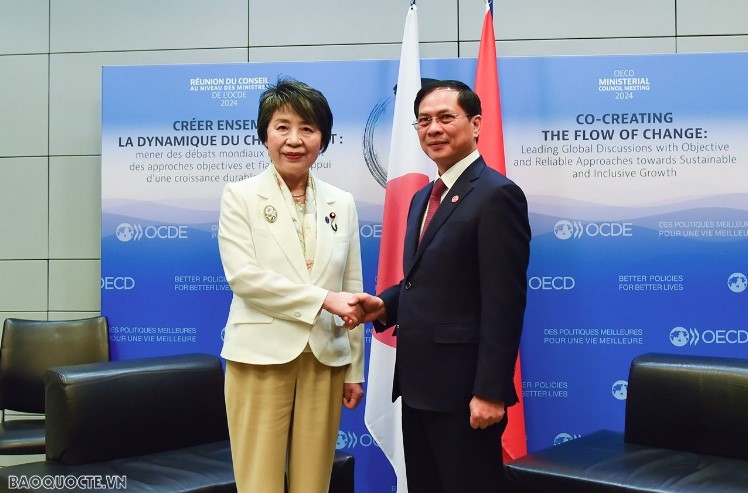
x=293 y=145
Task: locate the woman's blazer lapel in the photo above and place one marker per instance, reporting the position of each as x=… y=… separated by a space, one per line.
x=270 y=202
x=326 y=204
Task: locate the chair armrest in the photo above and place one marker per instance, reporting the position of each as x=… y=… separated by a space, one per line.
x=103 y=411
x=689 y=403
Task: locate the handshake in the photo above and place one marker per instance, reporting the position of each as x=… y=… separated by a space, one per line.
x=354 y=309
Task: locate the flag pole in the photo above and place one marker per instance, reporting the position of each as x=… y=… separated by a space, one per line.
x=408 y=170
x=514 y=439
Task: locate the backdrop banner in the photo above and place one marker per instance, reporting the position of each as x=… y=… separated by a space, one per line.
x=634 y=168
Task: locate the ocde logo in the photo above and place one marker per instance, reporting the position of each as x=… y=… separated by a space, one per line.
x=608 y=229
x=548 y=283
x=126 y=232
x=370 y=230
x=350 y=440
x=566 y=229
x=117 y=283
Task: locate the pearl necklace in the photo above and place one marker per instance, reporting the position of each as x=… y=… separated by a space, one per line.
x=300 y=202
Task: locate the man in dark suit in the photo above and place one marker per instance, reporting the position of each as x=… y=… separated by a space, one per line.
x=458 y=311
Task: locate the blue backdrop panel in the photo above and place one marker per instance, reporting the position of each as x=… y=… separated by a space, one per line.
x=634 y=168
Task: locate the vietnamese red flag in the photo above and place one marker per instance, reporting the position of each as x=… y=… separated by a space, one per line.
x=408 y=170
x=491 y=147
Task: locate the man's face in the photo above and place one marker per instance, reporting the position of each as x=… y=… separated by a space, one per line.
x=447 y=143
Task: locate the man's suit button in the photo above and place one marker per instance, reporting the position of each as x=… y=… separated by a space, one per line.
x=408 y=285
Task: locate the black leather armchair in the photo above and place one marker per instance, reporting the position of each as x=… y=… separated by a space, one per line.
x=157 y=423
x=686 y=431
x=27 y=349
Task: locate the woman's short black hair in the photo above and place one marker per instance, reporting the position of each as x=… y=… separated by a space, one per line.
x=307 y=102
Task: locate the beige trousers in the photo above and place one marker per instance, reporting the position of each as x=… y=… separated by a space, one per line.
x=283 y=416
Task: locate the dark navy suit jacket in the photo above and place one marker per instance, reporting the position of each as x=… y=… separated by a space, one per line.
x=459 y=309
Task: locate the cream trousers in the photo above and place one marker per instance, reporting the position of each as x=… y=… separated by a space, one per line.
x=283 y=417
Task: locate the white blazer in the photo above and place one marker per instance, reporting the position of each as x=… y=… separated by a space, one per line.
x=276 y=306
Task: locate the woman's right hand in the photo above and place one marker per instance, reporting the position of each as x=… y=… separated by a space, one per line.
x=339 y=304
x=373 y=307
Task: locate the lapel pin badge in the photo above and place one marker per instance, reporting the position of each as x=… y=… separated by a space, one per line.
x=330 y=219
x=270 y=213
x=455 y=198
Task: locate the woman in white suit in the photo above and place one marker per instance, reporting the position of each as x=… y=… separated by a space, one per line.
x=290 y=250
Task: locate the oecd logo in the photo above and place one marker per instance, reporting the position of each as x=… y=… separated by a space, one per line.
x=620 y=390
x=563 y=438
x=680 y=336
x=737 y=282
x=549 y=283
x=118 y=283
